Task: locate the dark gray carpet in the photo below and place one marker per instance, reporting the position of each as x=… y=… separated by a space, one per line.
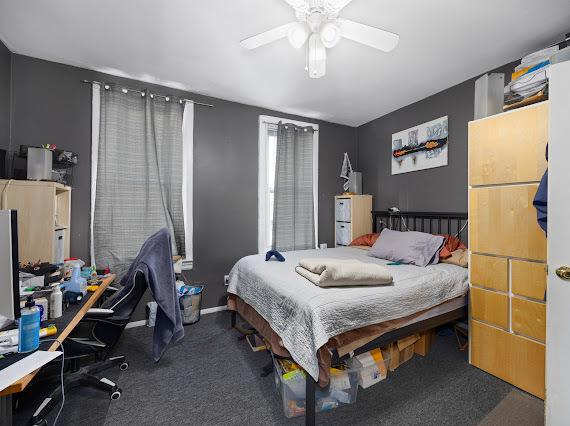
x=210 y=378
x=518 y=408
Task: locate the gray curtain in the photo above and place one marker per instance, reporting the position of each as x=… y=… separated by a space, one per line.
x=293 y=213
x=139 y=176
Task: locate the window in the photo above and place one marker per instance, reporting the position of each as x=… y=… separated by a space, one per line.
x=266 y=188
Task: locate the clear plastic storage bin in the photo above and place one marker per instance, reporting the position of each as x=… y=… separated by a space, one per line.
x=342 y=390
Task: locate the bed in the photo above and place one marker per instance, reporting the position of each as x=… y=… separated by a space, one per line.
x=317 y=326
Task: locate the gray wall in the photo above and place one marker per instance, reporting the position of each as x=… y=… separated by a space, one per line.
x=5 y=72
x=50 y=105
x=440 y=189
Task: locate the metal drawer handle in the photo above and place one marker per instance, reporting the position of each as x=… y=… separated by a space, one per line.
x=564 y=273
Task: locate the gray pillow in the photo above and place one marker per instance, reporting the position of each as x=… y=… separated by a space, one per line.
x=416 y=248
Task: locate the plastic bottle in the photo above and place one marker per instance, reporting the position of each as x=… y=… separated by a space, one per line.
x=29 y=327
x=55 y=302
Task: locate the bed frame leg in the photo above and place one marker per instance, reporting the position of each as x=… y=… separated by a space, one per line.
x=310 y=401
x=233 y=319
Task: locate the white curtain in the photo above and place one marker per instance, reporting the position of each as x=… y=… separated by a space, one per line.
x=188 y=178
x=95 y=120
x=124 y=194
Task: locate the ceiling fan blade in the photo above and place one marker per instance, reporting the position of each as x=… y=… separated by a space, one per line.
x=266 y=37
x=296 y=4
x=338 y=5
x=370 y=36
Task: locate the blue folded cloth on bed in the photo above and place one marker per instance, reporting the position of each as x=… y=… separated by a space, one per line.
x=275 y=253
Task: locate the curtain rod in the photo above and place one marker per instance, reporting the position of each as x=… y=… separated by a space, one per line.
x=286 y=122
x=142 y=91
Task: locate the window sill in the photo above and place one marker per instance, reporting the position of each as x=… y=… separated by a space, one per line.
x=181 y=264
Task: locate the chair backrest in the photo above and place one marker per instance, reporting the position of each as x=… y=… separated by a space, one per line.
x=123 y=304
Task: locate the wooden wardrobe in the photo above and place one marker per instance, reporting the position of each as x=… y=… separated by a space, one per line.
x=507 y=247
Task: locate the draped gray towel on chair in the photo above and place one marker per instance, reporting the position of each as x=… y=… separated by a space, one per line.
x=293 y=213
x=139 y=176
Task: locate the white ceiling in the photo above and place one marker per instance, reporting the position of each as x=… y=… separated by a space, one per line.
x=194 y=45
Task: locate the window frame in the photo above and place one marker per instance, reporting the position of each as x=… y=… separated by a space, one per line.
x=263 y=206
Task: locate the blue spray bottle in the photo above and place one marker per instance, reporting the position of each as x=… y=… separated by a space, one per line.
x=29 y=327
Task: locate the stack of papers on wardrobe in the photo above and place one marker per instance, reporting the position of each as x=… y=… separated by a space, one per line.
x=530 y=78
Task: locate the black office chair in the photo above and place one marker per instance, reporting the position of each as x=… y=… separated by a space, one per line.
x=104 y=328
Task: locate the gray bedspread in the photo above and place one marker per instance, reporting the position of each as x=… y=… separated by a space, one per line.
x=306 y=316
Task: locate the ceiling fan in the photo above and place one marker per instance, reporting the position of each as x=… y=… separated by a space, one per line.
x=320 y=27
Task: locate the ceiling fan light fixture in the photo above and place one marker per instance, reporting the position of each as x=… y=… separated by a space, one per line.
x=317 y=57
x=298 y=34
x=330 y=35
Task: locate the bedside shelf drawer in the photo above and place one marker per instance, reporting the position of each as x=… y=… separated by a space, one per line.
x=342 y=210
x=343 y=233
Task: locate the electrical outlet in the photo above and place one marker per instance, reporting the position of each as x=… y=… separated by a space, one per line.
x=226 y=280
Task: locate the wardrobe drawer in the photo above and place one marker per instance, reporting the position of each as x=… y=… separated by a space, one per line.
x=513 y=358
x=489 y=272
x=342 y=209
x=490 y=307
x=510 y=147
x=528 y=279
x=343 y=233
x=502 y=221
x=529 y=318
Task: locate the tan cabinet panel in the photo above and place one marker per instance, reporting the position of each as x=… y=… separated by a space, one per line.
x=489 y=272
x=515 y=359
x=490 y=306
x=528 y=279
x=509 y=147
x=503 y=222
x=42 y=208
x=529 y=318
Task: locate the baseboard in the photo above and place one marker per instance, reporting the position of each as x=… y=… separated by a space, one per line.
x=206 y=311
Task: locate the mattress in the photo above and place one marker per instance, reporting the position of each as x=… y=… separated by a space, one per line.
x=306 y=316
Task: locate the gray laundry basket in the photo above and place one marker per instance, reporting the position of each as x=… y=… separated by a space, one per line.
x=191 y=303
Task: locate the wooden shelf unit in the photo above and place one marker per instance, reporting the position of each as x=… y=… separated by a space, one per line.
x=353 y=218
x=507 y=247
x=44 y=214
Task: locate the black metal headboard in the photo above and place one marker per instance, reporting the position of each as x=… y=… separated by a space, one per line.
x=433 y=223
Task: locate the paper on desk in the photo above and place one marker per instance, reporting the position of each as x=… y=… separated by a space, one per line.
x=25 y=366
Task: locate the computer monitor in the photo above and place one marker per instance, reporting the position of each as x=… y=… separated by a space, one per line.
x=9 y=267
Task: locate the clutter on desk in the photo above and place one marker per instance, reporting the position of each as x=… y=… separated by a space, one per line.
x=45 y=162
x=77 y=283
x=29 y=327
x=56 y=303
x=41 y=303
x=69 y=264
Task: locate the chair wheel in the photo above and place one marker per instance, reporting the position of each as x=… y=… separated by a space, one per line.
x=116 y=394
x=124 y=366
x=41 y=423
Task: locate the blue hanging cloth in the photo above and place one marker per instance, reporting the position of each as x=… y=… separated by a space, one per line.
x=540 y=201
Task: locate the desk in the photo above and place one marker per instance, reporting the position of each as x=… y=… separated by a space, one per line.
x=65 y=325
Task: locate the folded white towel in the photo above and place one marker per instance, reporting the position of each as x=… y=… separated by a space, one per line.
x=342 y=272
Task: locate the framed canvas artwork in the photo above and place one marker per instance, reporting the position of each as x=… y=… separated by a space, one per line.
x=420 y=147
